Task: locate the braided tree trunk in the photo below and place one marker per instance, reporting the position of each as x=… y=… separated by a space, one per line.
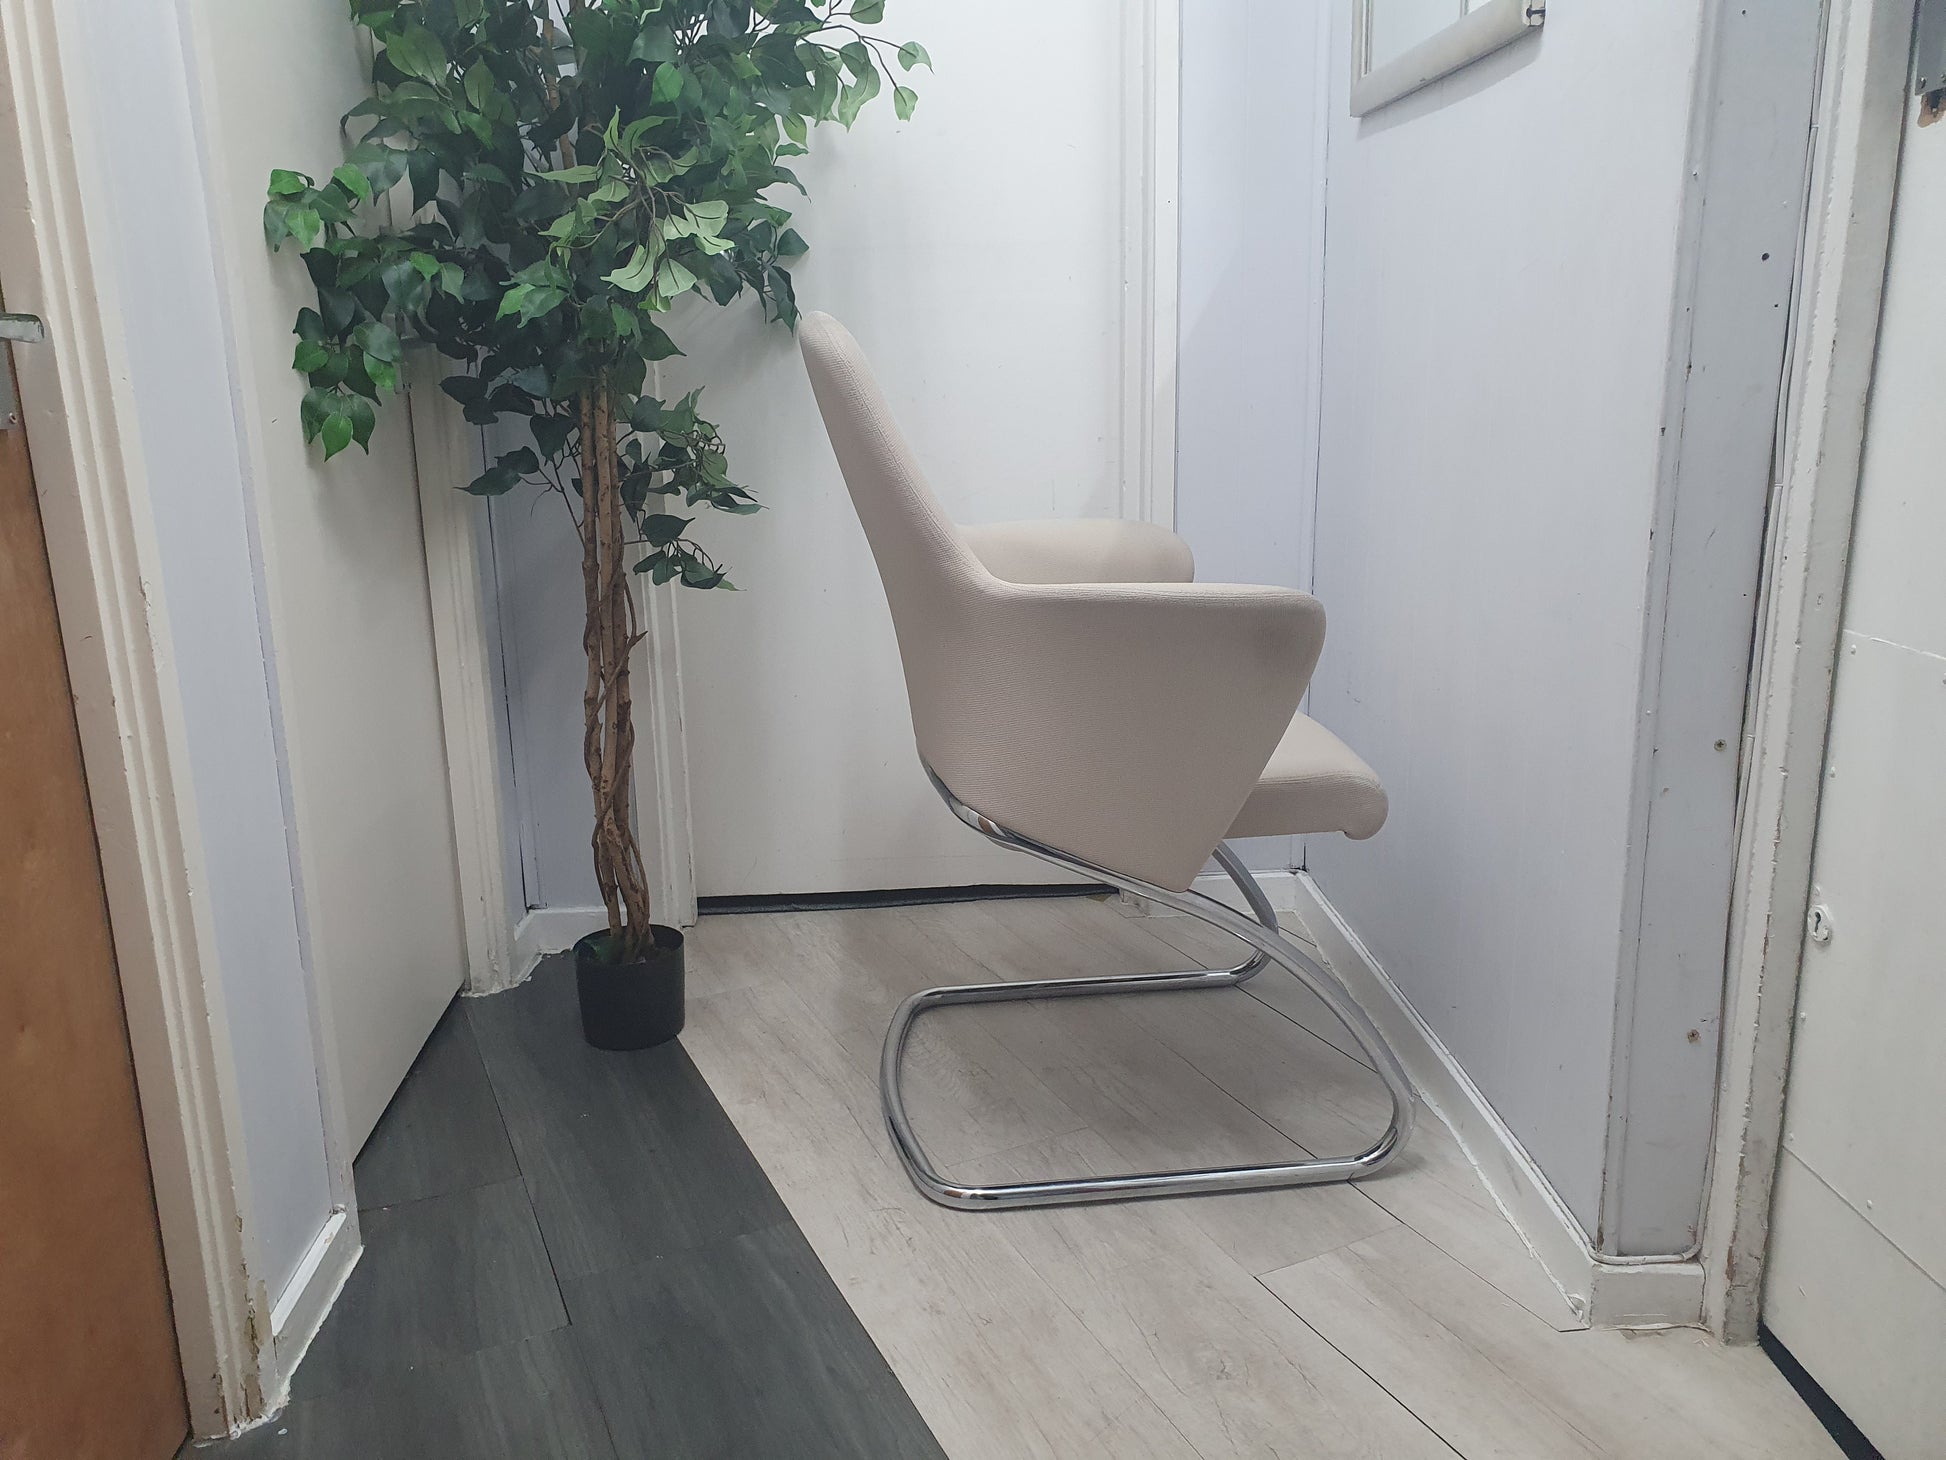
x=609 y=639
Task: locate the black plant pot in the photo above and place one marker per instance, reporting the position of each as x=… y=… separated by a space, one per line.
x=630 y=1005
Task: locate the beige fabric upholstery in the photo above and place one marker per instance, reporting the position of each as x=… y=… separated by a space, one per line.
x=1123 y=723
x=1081 y=550
x=1314 y=783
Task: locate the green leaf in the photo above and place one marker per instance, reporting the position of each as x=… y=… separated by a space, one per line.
x=673 y=279
x=285 y=184
x=513 y=300
x=913 y=54
x=668 y=82
x=656 y=44
x=794 y=128
x=353 y=181
x=310 y=356
x=277 y=226
x=636 y=275
x=378 y=341
x=580 y=174
x=363 y=419
x=426 y=264
x=317 y=407
x=854 y=97
x=868 y=12
x=479 y=87
x=336 y=434
x=659 y=529
x=541 y=301
x=656 y=345
x=417 y=52
x=495 y=481
x=904 y=99
x=551 y=434
x=712 y=213
x=305 y=226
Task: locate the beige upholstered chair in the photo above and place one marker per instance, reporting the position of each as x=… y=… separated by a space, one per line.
x=1076 y=696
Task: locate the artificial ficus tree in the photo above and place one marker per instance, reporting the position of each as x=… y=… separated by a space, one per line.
x=575 y=167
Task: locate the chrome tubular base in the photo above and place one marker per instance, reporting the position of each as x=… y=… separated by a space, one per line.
x=1269 y=945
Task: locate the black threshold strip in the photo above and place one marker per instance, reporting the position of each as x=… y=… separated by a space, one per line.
x=1824 y=1408
x=572 y=1254
x=769 y=902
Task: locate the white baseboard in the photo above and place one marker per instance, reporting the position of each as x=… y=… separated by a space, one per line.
x=301 y=1308
x=1606 y=1292
x=547 y=930
x=1280 y=887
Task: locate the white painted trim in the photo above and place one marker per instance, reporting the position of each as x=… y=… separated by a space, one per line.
x=1480 y=33
x=1605 y=1292
x=662 y=762
x=102 y=549
x=1860 y=117
x=549 y=930
x=308 y=1297
x=1279 y=887
x=446 y=450
x=1151 y=251
x=1742 y=223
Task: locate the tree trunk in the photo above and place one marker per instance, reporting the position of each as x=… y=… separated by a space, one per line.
x=609 y=638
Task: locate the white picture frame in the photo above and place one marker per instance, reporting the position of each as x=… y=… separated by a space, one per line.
x=1483 y=30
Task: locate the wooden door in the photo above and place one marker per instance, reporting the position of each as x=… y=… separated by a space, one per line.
x=88 y=1366
x=1856 y=1282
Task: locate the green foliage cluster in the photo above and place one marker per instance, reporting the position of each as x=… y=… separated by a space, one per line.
x=573 y=169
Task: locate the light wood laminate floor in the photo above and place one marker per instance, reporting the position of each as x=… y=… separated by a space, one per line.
x=1399 y=1318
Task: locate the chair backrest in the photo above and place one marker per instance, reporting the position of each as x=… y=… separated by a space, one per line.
x=921 y=557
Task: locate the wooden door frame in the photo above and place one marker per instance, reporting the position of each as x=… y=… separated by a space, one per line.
x=238 y=1341
x=1841 y=269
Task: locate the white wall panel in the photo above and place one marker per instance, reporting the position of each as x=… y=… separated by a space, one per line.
x=346 y=572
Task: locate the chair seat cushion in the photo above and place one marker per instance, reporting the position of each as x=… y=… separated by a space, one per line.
x=1314 y=783
x=1081 y=550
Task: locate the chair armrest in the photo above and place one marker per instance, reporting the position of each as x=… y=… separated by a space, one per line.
x=1081 y=550
x=1124 y=724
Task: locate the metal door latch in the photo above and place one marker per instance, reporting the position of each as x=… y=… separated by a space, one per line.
x=21 y=329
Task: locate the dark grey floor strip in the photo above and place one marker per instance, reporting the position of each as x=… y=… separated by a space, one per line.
x=571 y=1255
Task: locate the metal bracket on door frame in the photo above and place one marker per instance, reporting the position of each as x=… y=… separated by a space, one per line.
x=21 y=329
x=1929 y=49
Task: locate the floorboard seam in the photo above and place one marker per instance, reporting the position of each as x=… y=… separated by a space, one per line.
x=1377 y=1382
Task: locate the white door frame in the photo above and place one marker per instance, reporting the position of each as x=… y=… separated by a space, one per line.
x=237 y=1348
x=1861 y=115
x=1151 y=257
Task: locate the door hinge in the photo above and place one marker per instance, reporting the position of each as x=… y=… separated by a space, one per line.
x=21 y=329
x=1929 y=49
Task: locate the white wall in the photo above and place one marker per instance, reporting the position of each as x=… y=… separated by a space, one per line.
x=141 y=156
x=537 y=561
x=346 y=573
x=1511 y=518
x=977 y=252
x=1253 y=112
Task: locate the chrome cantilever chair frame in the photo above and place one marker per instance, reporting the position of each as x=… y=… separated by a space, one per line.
x=1269 y=945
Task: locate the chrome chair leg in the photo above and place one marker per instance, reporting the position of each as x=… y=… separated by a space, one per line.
x=1270 y=946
